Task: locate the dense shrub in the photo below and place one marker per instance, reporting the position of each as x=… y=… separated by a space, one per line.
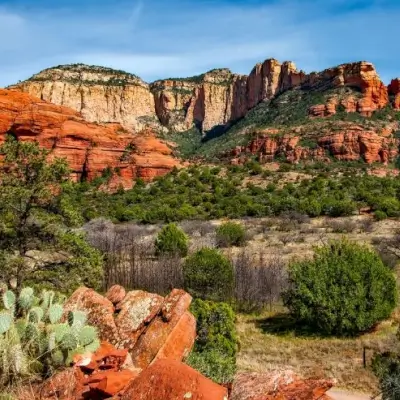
x=214 y=353
x=197 y=194
x=343 y=290
x=380 y=215
x=172 y=241
x=230 y=234
x=208 y=274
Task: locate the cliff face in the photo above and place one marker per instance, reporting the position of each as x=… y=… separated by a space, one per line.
x=88 y=148
x=360 y=76
x=208 y=101
x=348 y=142
x=394 y=92
x=220 y=97
x=100 y=94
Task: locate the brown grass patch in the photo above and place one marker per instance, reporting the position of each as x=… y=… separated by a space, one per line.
x=269 y=342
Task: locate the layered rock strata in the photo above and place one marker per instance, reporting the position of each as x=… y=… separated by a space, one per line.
x=209 y=101
x=349 y=142
x=88 y=148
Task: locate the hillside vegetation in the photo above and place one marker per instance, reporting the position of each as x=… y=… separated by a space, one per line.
x=288 y=110
x=209 y=193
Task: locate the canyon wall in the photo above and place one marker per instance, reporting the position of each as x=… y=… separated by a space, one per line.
x=209 y=101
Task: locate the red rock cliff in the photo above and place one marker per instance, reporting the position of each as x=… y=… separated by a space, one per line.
x=394 y=90
x=88 y=148
x=348 y=142
x=211 y=100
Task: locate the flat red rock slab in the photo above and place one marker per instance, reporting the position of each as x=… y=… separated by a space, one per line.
x=110 y=383
x=173 y=380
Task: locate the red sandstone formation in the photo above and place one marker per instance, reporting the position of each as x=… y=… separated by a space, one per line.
x=215 y=98
x=88 y=148
x=146 y=324
x=100 y=312
x=167 y=328
x=116 y=294
x=172 y=380
x=394 y=90
x=95 y=376
x=136 y=311
x=284 y=385
x=349 y=142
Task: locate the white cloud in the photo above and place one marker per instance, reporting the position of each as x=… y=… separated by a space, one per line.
x=156 y=39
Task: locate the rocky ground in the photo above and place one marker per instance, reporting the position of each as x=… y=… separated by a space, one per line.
x=151 y=337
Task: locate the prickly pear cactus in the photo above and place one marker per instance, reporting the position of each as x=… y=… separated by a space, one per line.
x=6 y=319
x=26 y=298
x=32 y=327
x=9 y=300
x=55 y=313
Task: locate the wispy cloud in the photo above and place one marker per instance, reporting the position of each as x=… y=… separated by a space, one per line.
x=156 y=39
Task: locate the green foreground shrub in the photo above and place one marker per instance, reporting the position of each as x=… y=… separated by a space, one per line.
x=345 y=289
x=214 y=353
x=230 y=234
x=35 y=217
x=209 y=275
x=171 y=240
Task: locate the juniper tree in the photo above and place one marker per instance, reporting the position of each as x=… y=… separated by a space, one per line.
x=34 y=242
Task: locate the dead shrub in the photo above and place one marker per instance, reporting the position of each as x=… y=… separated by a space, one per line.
x=201 y=228
x=342 y=226
x=129 y=259
x=367 y=225
x=259 y=280
x=289 y=238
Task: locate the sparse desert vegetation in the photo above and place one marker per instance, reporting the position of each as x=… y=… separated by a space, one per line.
x=241 y=262
x=263 y=239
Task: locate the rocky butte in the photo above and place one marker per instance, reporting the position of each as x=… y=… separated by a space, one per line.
x=211 y=100
x=89 y=148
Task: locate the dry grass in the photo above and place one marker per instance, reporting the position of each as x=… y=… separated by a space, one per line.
x=270 y=342
x=295 y=239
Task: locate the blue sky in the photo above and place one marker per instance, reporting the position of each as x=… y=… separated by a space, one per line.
x=165 y=38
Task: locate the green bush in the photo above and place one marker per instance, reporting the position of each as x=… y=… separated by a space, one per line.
x=214 y=353
x=230 y=234
x=380 y=215
x=33 y=340
x=172 y=240
x=34 y=218
x=343 y=290
x=339 y=208
x=208 y=275
x=195 y=194
x=82 y=267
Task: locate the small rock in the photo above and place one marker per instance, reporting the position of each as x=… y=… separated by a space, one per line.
x=116 y=294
